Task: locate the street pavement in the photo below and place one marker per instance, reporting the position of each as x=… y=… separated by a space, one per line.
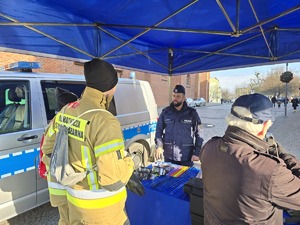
x=286 y=130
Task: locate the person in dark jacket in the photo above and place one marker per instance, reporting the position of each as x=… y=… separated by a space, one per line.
x=248 y=179
x=295 y=103
x=274 y=100
x=177 y=133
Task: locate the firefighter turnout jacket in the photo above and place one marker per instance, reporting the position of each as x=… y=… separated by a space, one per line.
x=94 y=139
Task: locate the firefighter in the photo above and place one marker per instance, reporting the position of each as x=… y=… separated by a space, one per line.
x=95 y=144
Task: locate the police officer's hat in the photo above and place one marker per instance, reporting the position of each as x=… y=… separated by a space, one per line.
x=179 y=89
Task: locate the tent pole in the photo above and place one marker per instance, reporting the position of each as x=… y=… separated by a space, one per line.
x=237 y=22
x=170 y=66
x=286 y=87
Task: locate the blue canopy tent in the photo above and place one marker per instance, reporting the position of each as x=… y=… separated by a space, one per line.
x=168 y=37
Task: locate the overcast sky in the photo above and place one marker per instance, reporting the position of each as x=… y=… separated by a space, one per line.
x=231 y=78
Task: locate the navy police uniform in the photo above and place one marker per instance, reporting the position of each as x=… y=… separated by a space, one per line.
x=177 y=132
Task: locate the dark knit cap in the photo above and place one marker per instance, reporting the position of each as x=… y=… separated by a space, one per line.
x=100 y=75
x=259 y=106
x=179 y=89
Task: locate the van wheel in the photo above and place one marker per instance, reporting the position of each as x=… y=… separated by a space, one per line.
x=140 y=154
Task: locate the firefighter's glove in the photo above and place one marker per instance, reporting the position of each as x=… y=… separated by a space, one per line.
x=159 y=153
x=135 y=185
x=136 y=160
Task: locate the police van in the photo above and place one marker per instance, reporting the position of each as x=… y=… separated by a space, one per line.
x=28 y=103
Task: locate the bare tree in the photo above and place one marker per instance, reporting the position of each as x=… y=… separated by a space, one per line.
x=226 y=94
x=270 y=84
x=242 y=90
x=274 y=87
x=255 y=83
x=294 y=86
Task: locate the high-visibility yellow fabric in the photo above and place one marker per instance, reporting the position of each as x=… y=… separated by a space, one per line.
x=110 y=215
x=95 y=139
x=97 y=203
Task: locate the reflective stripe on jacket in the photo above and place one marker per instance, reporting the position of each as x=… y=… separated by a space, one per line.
x=95 y=199
x=94 y=139
x=56 y=189
x=57 y=192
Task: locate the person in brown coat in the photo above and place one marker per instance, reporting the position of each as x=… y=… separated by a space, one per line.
x=247 y=179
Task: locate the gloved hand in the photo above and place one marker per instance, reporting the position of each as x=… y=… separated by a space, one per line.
x=136 y=160
x=159 y=152
x=135 y=185
x=195 y=158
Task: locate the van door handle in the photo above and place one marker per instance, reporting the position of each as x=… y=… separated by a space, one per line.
x=27 y=138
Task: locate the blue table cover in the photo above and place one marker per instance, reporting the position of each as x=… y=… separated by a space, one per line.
x=164 y=202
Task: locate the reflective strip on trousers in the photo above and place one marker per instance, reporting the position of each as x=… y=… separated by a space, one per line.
x=56 y=189
x=95 y=199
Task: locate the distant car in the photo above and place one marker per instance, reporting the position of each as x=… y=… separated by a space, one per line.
x=227 y=101
x=200 y=102
x=281 y=99
x=190 y=102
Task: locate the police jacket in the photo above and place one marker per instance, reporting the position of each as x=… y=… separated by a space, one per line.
x=243 y=184
x=177 y=132
x=95 y=140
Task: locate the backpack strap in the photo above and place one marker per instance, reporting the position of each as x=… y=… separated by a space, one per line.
x=94 y=167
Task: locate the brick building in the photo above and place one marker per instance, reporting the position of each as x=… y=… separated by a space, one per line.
x=197 y=85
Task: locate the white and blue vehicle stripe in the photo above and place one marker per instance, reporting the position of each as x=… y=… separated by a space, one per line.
x=145 y=129
x=19 y=162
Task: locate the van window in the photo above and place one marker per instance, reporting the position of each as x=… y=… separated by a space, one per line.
x=49 y=88
x=15 y=114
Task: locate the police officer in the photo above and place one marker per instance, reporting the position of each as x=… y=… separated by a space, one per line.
x=95 y=144
x=248 y=179
x=177 y=133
